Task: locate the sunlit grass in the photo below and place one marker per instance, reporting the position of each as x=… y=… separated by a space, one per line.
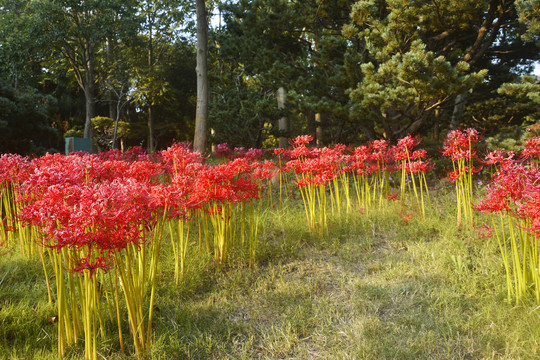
x=377 y=287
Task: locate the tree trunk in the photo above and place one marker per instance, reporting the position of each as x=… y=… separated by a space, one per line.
x=436 y=125
x=201 y=115
x=109 y=95
x=89 y=91
x=90 y=111
x=151 y=139
x=116 y=120
x=487 y=33
x=459 y=108
x=319 y=129
x=283 y=123
x=151 y=145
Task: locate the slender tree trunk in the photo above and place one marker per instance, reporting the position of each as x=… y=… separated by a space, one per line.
x=109 y=95
x=436 y=125
x=116 y=121
x=318 y=116
x=459 y=108
x=151 y=139
x=151 y=143
x=90 y=112
x=319 y=129
x=201 y=115
x=283 y=123
x=89 y=91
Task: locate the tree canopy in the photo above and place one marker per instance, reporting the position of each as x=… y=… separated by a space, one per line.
x=351 y=70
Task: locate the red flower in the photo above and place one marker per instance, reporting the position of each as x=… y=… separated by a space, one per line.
x=459 y=144
x=301 y=140
x=499 y=157
x=484 y=232
x=406 y=217
x=532 y=148
x=223 y=150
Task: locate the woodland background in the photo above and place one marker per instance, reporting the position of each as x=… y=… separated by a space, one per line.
x=350 y=70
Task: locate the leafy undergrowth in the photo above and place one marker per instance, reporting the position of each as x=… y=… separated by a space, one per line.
x=380 y=286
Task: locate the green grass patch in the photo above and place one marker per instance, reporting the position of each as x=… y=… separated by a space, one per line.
x=378 y=287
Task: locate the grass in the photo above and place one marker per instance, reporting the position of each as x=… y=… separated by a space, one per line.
x=377 y=287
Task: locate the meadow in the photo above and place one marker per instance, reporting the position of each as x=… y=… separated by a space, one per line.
x=332 y=253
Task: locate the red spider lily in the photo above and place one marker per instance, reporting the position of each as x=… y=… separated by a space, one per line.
x=419 y=154
x=404 y=148
x=301 y=140
x=514 y=188
x=458 y=144
x=254 y=154
x=11 y=167
x=360 y=157
x=105 y=218
x=300 y=152
x=380 y=151
x=484 y=232
x=223 y=150
x=266 y=170
x=413 y=167
x=382 y=157
x=473 y=135
x=532 y=148
x=13 y=170
x=393 y=197
x=514 y=194
x=379 y=145
x=239 y=152
x=92 y=265
x=93 y=212
x=499 y=157
x=361 y=153
x=419 y=166
x=144 y=171
x=409 y=142
x=407 y=217
x=223 y=183
x=178 y=156
x=105 y=215
x=318 y=171
x=303 y=182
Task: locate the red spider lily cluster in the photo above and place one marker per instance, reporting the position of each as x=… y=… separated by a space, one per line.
x=225 y=152
x=513 y=200
x=88 y=204
x=458 y=144
x=460 y=147
x=369 y=167
x=499 y=158
x=103 y=215
x=97 y=214
x=320 y=166
x=532 y=150
x=104 y=202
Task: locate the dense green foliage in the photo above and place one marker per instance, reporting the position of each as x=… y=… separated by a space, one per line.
x=23 y=119
x=352 y=69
